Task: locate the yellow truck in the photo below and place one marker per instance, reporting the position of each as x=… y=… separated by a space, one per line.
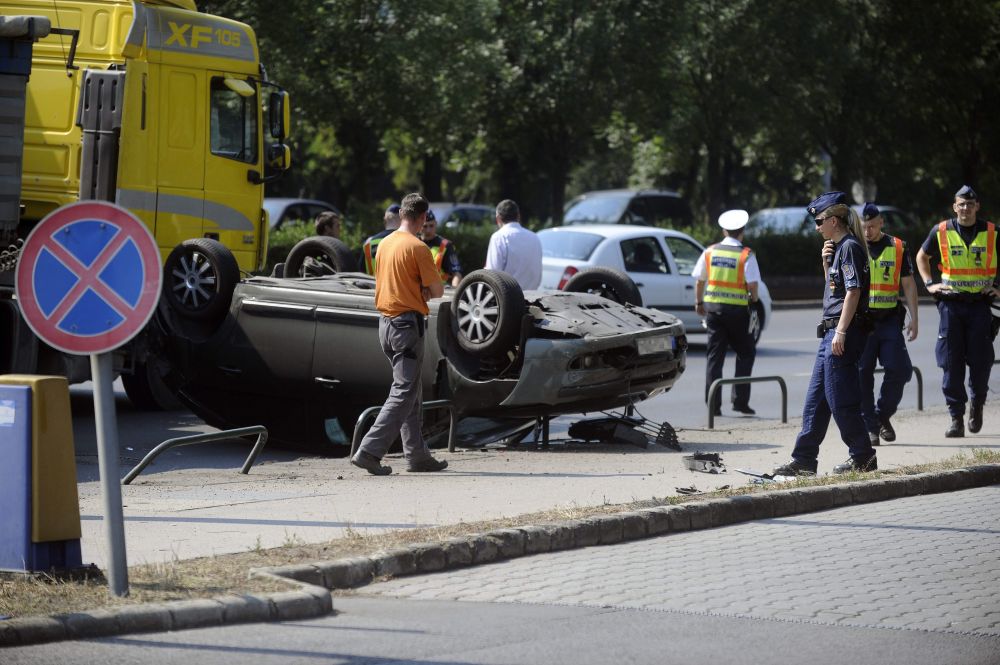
x=163 y=110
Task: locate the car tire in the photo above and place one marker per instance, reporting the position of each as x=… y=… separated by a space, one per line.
x=756 y=321
x=199 y=277
x=333 y=251
x=607 y=282
x=487 y=311
x=147 y=391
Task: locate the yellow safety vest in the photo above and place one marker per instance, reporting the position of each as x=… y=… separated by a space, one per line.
x=967 y=269
x=370 y=256
x=726 y=268
x=885 y=271
x=437 y=253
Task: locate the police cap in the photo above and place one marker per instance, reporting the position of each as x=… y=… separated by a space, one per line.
x=393 y=209
x=430 y=216
x=732 y=220
x=968 y=193
x=870 y=211
x=825 y=200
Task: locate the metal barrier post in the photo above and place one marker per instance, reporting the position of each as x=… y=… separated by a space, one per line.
x=372 y=412
x=718 y=383
x=259 y=430
x=920 y=384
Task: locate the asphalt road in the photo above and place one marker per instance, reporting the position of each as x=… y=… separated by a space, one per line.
x=907 y=581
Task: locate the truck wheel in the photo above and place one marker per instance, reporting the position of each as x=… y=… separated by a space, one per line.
x=147 y=391
x=199 y=276
x=487 y=309
x=328 y=250
x=608 y=283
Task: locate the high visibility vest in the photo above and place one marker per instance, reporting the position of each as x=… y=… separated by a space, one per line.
x=437 y=253
x=370 y=257
x=885 y=270
x=726 y=268
x=967 y=269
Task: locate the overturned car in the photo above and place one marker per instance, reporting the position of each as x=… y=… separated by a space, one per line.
x=300 y=354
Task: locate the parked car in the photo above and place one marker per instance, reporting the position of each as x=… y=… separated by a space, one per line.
x=301 y=355
x=650 y=207
x=453 y=215
x=659 y=261
x=282 y=211
x=795 y=219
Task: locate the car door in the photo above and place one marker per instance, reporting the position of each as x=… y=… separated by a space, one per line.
x=646 y=263
x=683 y=254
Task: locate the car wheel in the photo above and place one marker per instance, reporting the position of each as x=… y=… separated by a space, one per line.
x=606 y=282
x=487 y=309
x=331 y=251
x=199 y=277
x=756 y=321
x=146 y=389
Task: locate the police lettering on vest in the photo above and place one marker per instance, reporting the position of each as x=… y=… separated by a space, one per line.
x=885 y=272
x=967 y=269
x=726 y=270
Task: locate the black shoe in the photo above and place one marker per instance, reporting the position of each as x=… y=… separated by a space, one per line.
x=744 y=409
x=857 y=464
x=794 y=468
x=976 y=419
x=886 y=431
x=371 y=464
x=427 y=465
x=957 y=429
x=873 y=437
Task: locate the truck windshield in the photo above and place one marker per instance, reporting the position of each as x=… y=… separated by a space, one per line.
x=234 y=123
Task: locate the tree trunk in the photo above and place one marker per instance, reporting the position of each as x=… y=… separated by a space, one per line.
x=430 y=179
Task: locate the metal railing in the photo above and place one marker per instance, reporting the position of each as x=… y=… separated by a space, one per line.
x=259 y=430
x=372 y=412
x=718 y=383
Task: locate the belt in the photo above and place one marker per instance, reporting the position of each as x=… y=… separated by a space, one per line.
x=826 y=324
x=883 y=314
x=963 y=297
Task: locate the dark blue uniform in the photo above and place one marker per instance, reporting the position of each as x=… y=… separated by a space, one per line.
x=834 y=388
x=887 y=346
x=964 y=335
x=450 y=263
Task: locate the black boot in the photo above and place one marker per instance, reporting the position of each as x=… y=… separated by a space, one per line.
x=976 y=419
x=957 y=429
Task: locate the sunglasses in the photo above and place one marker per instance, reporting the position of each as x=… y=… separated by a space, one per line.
x=820 y=222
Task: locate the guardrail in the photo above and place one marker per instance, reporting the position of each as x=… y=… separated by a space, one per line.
x=371 y=413
x=718 y=383
x=259 y=430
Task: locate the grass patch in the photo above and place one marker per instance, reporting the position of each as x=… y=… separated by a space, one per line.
x=206 y=577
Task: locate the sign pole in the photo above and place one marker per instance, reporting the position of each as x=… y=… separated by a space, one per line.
x=107 y=458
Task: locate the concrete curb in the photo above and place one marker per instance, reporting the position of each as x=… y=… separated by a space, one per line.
x=313 y=598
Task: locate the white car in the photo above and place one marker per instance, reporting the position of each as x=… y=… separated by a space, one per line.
x=659 y=261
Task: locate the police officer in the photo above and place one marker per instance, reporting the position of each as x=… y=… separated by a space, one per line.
x=443 y=251
x=391 y=221
x=965 y=249
x=890 y=269
x=732 y=276
x=834 y=388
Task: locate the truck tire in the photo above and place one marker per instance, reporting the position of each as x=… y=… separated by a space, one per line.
x=608 y=283
x=199 y=277
x=487 y=311
x=323 y=248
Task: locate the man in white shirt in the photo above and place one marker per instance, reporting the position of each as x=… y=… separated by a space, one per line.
x=726 y=282
x=514 y=249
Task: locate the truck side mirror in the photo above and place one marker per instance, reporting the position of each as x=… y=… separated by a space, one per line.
x=279 y=115
x=279 y=156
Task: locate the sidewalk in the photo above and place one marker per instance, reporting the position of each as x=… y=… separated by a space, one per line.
x=178 y=508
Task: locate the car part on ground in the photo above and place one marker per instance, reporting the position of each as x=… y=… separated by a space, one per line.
x=705 y=462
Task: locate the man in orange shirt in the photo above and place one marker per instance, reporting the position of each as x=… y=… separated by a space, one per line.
x=405 y=279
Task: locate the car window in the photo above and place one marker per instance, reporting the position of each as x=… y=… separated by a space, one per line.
x=295 y=213
x=644 y=255
x=637 y=213
x=474 y=215
x=667 y=211
x=685 y=252
x=573 y=245
x=233 y=128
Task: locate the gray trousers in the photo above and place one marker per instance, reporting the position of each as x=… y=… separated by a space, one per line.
x=403 y=344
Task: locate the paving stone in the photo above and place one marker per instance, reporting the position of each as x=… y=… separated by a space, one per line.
x=197 y=613
x=510 y=542
x=611 y=529
x=537 y=539
x=634 y=526
x=393 y=563
x=428 y=557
